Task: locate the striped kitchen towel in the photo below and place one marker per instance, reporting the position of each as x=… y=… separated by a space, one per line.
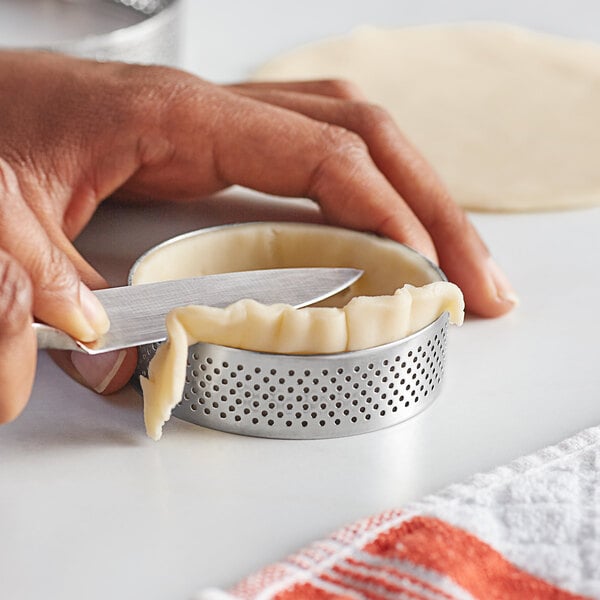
x=529 y=530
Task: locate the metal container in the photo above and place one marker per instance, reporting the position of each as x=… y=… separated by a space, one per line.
x=141 y=31
x=310 y=396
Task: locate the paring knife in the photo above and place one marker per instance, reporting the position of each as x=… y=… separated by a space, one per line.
x=137 y=312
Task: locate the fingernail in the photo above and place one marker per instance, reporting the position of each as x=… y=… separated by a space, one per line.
x=504 y=289
x=100 y=369
x=93 y=311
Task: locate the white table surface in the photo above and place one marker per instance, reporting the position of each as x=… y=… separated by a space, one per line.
x=91 y=508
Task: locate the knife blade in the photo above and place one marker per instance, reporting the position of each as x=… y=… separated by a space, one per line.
x=137 y=312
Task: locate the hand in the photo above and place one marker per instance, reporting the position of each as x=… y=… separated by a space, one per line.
x=74 y=132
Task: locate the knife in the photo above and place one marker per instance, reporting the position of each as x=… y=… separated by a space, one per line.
x=137 y=312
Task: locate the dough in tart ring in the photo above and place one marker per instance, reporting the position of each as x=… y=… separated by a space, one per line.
x=509 y=118
x=366 y=321
x=399 y=293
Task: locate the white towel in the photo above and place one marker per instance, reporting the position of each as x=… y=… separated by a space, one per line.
x=528 y=530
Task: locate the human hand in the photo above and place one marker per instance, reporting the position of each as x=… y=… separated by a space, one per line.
x=74 y=132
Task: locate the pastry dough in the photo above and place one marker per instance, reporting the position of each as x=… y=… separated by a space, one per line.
x=507 y=116
x=400 y=293
x=365 y=322
x=387 y=265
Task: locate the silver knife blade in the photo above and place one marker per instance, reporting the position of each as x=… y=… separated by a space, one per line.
x=137 y=313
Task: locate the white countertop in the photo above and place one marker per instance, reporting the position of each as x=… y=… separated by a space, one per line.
x=91 y=508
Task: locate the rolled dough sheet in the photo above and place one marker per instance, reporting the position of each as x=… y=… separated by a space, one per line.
x=510 y=118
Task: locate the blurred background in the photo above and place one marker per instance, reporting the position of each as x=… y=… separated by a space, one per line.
x=227 y=40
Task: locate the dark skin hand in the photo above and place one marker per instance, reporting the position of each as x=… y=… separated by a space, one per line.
x=75 y=132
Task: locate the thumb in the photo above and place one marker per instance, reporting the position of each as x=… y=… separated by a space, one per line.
x=104 y=373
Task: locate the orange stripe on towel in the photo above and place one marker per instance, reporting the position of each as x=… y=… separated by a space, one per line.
x=423 y=558
x=307 y=591
x=372 y=588
x=472 y=564
x=405 y=580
